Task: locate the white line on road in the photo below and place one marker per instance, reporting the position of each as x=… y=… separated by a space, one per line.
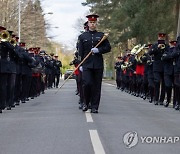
x=88 y=116
x=96 y=142
x=110 y=84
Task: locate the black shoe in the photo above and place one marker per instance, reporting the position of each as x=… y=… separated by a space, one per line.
x=0 y=111
x=27 y=99
x=8 y=108
x=150 y=101
x=32 y=97
x=144 y=97
x=17 y=103
x=176 y=107
x=137 y=95
x=84 y=108
x=160 y=103
x=13 y=106
x=166 y=104
x=94 y=111
x=80 y=106
x=155 y=102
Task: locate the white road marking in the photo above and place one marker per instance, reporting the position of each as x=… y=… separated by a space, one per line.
x=96 y=142
x=110 y=84
x=88 y=116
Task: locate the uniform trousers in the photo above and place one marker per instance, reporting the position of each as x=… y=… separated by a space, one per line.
x=7 y=82
x=92 y=80
x=168 y=79
x=118 y=79
x=177 y=86
x=18 y=88
x=57 y=76
x=159 y=79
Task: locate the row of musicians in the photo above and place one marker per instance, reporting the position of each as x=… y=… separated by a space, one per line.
x=24 y=73
x=154 y=74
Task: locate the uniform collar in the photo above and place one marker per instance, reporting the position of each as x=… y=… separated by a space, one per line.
x=92 y=32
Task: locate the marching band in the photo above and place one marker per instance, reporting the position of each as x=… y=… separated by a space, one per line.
x=151 y=71
x=24 y=73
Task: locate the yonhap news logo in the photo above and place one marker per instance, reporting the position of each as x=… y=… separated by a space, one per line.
x=131 y=139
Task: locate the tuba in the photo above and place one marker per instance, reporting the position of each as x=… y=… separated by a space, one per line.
x=135 y=49
x=4 y=35
x=140 y=52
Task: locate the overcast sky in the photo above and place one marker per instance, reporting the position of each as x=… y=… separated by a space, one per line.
x=65 y=15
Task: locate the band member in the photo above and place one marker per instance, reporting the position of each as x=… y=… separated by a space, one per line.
x=57 y=66
x=93 y=65
x=157 y=51
x=118 y=71
x=75 y=62
x=168 y=71
x=8 y=62
x=176 y=56
x=25 y=73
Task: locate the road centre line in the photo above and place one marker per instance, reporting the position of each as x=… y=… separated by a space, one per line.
x=88 y=116
x=96 y=142
x=110 y=84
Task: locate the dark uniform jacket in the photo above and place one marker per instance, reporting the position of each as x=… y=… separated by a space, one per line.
x=26 y=63
x=168 y=62
x=148 y=61
x=157 y=52
x=19 y=61
x=8 y=58
x=57 y=65
x=176 y=56
x=86 y=42
x=117 y=66
x=48 y=65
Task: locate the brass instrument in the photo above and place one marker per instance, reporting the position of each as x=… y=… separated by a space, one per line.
x=13 y=41
x=124 y=66
x=4 y=35
x=43 y=77
x=140 y=52
x=161 y=46
x=135 y=49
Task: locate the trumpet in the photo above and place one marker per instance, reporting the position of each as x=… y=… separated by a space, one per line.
x=4 y=35
x=13 y=41
x=161 y=46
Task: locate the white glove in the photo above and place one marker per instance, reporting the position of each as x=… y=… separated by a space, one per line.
x=81 y=68
x=95 y=50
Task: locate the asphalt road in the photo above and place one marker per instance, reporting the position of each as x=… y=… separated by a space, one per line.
x=53 y=124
